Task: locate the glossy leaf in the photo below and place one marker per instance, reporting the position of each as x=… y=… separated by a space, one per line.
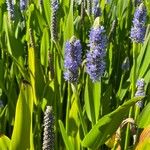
x=23 y=120
x=144 y=140
x=107 y=125
x=4 y=142
x=69 y=23
x=47 y=11
x=92 y=99
x=144 y=119
x=44 y=48
x=67 y=142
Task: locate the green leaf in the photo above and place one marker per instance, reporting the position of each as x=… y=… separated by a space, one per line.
x=69 y=29
x=14 y=46
x=67 y=142
x=107 y=125
x=97 y=98
x=36 y=74
x=2 y=1
x=4 y=142
x=106 y=107
x=47 y=11
x=88 y=99
x=144 y=140
x=144 y=58
x=145 y=145
x=74 y=121
x=144 y=119
x=44 y=48
x=22 y=131
x=2 y=74
x=40 y=19
x=122 y=92
x=66 y=5
x=1 y=18
x=31 y=62
x=92 y=96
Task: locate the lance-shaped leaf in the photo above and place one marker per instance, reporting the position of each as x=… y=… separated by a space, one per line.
x=44 y=48
x=4 y=142
x=68 y=143
x=22 y=131
x=107 y=125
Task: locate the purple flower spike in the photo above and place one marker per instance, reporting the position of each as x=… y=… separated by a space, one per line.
x=72 y=61
x=138 y=29
x=23 y=5
x=140 y=91
x=95 y=63
x=49 y=134
x=54 y=7
x=96 y=9
x=10 y=9
x=137 y=2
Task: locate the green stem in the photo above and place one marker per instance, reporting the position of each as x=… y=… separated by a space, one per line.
x=80 y=110
x=134 y=68
x=68 y=107
x=115 y=145
x=59 y=49
x=120 y=87
x=137 y=108
x=127 y=138
x=137 y=111
x=56 y=101
x=100 y=105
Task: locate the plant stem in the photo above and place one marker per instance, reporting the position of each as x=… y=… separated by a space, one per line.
x=120 y=87
x=68 y=107
x=80 y=110
x=133 y=80
x=56 y=100
x=137 y=110
x=59 y=49
x=135 y=46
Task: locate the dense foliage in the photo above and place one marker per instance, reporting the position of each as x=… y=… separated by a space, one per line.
x=74 y=74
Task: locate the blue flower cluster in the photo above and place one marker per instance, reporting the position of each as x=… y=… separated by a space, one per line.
x=23 y=5
x=54 y=7
x=95 y=63
x=72 y=60
x=138 y=30
x=140 y=91
x=96 y=9
x=10 y=9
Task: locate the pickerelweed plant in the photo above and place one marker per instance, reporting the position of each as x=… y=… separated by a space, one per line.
x=70 y=71
x=137 y=36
